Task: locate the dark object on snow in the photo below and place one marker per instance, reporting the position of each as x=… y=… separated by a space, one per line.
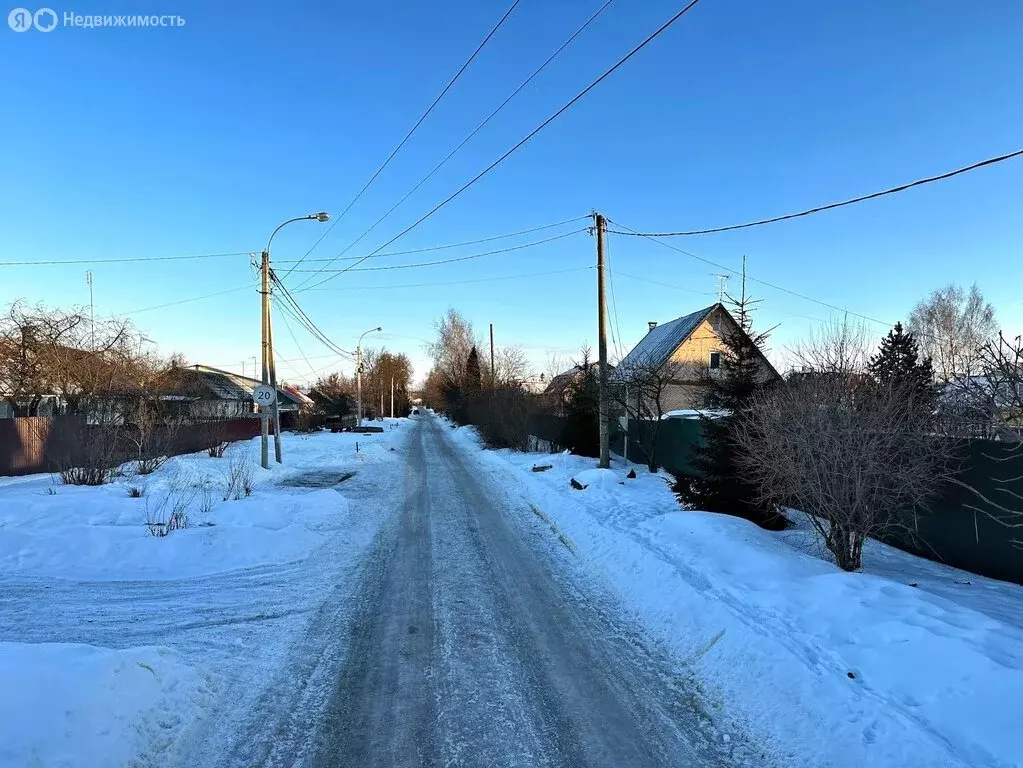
x=577 y=485
x=365 y=430
x=392 y=449
x=964 y=583
x=914 y=584
x=542 y=467
x=851 y=675
x=632 y=474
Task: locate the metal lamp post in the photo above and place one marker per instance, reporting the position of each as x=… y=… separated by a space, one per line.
x=358 y=371
x=269 y=366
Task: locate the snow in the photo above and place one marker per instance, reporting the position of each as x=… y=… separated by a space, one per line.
x=80 y=706
x=692 y=413
x=115 y=645
x=598 y=479
x=827 y=668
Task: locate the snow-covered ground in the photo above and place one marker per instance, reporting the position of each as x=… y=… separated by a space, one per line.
x=115 y=644
x=907 y=664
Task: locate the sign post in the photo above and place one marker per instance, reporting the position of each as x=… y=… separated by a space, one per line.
x=264 y=396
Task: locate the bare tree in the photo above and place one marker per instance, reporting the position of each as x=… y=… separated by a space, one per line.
x=450 y=352
x=642 y=391
x=84 y=365
x=511 y=367
x=855 y=457
x=838 y=347
x=951 y=326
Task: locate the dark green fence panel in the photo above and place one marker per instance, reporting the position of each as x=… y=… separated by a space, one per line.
x=963 y=530
x=677 y=441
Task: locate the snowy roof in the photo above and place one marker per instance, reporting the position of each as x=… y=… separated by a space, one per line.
x=660 y=343
x=225 y=385
x=695 y=413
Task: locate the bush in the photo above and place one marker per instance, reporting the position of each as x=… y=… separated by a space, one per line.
x=136 y=491
x=238 y=479
x=170 y=513
x=504 y=417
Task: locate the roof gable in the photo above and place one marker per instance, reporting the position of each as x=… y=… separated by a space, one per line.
x=660 y=343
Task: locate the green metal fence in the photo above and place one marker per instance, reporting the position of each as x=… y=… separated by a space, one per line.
x=973 y=530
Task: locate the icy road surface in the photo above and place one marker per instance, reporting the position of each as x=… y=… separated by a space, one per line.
x=478 y=641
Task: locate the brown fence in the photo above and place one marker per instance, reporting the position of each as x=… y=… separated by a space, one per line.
x=39 y=444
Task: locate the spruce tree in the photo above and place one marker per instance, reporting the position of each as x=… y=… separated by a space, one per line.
x=897 y=363
x=717 y=484
x=473 y=376
x=580 y=431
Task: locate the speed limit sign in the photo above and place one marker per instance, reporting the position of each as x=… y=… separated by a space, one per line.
x=264 y=395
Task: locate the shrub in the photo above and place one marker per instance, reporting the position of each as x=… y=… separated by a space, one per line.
x=238 y=479
x=136 y=491
x=170 y=513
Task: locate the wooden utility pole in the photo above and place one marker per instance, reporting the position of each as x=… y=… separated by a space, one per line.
x=600 y=224
x=264 y=273
x=269 y=372
x=493 y=374
x=273 y=383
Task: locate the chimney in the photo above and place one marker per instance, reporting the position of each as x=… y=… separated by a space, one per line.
x=651 y=325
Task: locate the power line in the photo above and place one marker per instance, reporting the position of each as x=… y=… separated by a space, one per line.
x=408 y=135
x=658 y=282
x=479 y=127
x=614 y=304
x=439 y=247
x=528 y=136
x=451 y=261
x=755 y=279
x=457 y=282
x=194 y=298
x=128 y=260
x=301 y=317
x=297 y=345
x=830 y=206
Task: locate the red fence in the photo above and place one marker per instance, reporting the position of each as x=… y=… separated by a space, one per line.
x=38 y=444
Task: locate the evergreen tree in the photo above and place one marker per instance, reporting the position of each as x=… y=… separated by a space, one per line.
x=581 y=429
x=473 y=375
x=717 y=484
x=898 y=363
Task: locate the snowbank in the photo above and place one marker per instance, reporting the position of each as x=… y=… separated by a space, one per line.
x=76 y=706
x=99 y=533
x=134 y=637
x=830 y=668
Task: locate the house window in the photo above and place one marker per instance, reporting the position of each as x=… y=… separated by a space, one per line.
x=715 y=360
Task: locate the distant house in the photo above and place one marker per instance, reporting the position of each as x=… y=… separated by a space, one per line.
x=688 y=349
x=202 y=392
x=559 y=390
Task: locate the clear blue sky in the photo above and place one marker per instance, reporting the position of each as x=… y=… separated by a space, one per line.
x=159 y=142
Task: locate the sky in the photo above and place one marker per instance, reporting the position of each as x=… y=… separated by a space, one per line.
x=201 y=139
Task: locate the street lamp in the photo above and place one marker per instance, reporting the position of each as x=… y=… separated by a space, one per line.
x=269 y=366
x=358 y=369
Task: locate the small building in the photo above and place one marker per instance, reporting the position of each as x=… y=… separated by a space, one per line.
x=204 y=393
x=685 y=352
x=558 y=391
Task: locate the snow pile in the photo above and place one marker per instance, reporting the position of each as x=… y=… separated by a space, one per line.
x=99 y=532
x=76 y=706
x=828 y=668
x=597 y=479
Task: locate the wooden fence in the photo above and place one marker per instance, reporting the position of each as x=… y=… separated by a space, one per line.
x=41 y=444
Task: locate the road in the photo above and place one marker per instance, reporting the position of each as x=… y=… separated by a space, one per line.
x=477 y=642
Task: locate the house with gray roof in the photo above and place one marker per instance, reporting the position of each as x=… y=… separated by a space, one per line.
x=683 y=353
